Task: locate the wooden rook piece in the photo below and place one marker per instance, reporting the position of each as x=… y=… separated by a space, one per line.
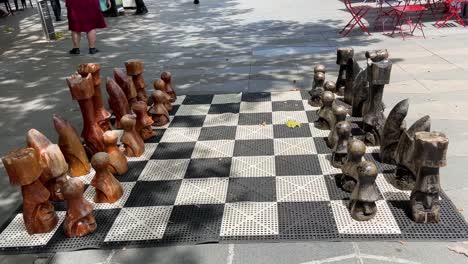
x=82 y=90
x=317 y=90
x=356 y=150
x=167 y=78
x=117 y=101
x=343 y=130
x=126 y=83
x=340 y=113
x=118 y=163
x=159 y=85
x=135 y=69
x=326 y=116
x=23 y=168
x=430 y=156
x=133 y=143
x=405 y=155
x=362 y=205
x=346 y=75
x=101 y=114
x=158 y=111
x=143 y=121
x=80 y=220
x=394 y=126
x=54 y=165
x=373 y=107
x=108 y=188
x=71 y=147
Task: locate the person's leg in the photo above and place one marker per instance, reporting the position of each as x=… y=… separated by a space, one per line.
x=76 y=36
x=92 y=41
x=196 y=2
x=140 y=7
x=56 y=8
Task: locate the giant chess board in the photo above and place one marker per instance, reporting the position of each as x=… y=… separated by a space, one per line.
x=228 y=169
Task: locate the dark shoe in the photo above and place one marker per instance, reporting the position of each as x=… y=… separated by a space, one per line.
x=196 y=2
x=93 y=50
x=58 y=19
x=141 y=11
x=75 y=51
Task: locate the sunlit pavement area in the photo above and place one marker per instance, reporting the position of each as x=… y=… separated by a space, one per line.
x=225 y=46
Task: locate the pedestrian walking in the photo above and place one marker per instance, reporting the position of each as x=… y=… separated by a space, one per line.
x=140 y=7
x=57 y=9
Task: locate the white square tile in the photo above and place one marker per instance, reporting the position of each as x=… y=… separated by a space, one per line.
x=15 y=234
x=188 y=110
x=255 y=166
x=227 y=98
x=213 y=149
x=226 y=119
x=325 y=164
x=202 y=191
x=254 y=132
x=127 y=189
x=180 y=99
x=285 y=96
x=382 y=223
x=281 y=117
x=140 y=223
x=255 y=107
x=389 y=192
x=250 y=219
x=308 y=107
x=181 y=134
x=372 y=149
x=318 y=132
x=301 y=188
x=294 y=146
x=150 y=148
x=164 y=170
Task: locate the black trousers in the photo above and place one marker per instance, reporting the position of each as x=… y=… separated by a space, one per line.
x=56 y=8
x=140 y=5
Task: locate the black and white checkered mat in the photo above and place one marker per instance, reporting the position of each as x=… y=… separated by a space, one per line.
x=228 y=169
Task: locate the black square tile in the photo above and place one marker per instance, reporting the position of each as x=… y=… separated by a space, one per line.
x=256 y=97
x=174 y=110
x=255 y=189
x=290 y=105
x=312 y=116
x=181 y=150
x=305 y=94
x=283 y=131
x=134 y=170
x=306 y=220
x=340 y=101
x=255 y=147
x=159 y=134
x=207 y=168
x=153 y=193
x=224 y=108
x=198 y=99
x=188 y=121
x=218 y=133
x=321 y=145
x=297 y=165
x=195 y=223
x=333 y=186
x=253 y=119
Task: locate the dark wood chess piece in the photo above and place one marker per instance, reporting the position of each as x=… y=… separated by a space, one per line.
x=394 y=126
x=326 y=116
x=101 y=114
x=362 y=205
x=356 y=150
x=330 y=86
x=108 y=188
x=346 y=75
x=135 y=69
x=82 y=90
x=54 y=165
x=23 y=168
x=340 y=151
x=143 y=121
x=159 y=85
x=117 y=101
x=133 y=143
x=158 y=111
x=126 y=83
x=80 y=220
x=118 y=162
x=430 y=155
x=167 y=78
x=71 y=147
x=317 y=90
x=340 y=113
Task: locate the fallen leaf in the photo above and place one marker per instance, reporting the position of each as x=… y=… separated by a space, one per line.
x=8 y=29
x=263 y=123
x=461 y=210
x=58 y=35
x=294 y=89
x=459 y=249
x=291 y=123
x=402 y=242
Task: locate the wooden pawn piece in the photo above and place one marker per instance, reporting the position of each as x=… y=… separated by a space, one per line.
x=167 y=78
x=158 y=111
x=118 y=161
x=330 y=86
x=320 y=68
x=365 y=194
x=126 y=83
x=108 y=188
x=340 y=113
x=356 y=150
x=117 y=101
x=143 y=121
x=343 y=130
x=159 y=85
x=133 y=143
x=326 y=116
x=135 y=70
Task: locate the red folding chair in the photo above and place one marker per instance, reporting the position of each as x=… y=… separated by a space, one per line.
x=403 y=14
x=455 y=7
x=358 y=13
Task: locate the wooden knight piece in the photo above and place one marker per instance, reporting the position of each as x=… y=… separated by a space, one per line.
x=405 y=176
x=23 y=168
x=159 y=85
x=133 y=143
x=82 y=90
x=326 y=116
x=71 y=147
x=135 y=70
x=117 y=101
x=343 y=130
x=430 y=155
x=340 y=113
x=356 y=150
x=79 y=220
x=101 y=114
x=54 y=165
x=126 y=83
x=362 y=204
x=143 y=121
x=118 y=163
x=394 y=126
x=347 y=73
x=167 y=78
x=158 y=111
x=108 y=188
x=317 y=90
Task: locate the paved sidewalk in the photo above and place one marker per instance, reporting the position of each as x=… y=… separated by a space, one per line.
x=226 y=46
